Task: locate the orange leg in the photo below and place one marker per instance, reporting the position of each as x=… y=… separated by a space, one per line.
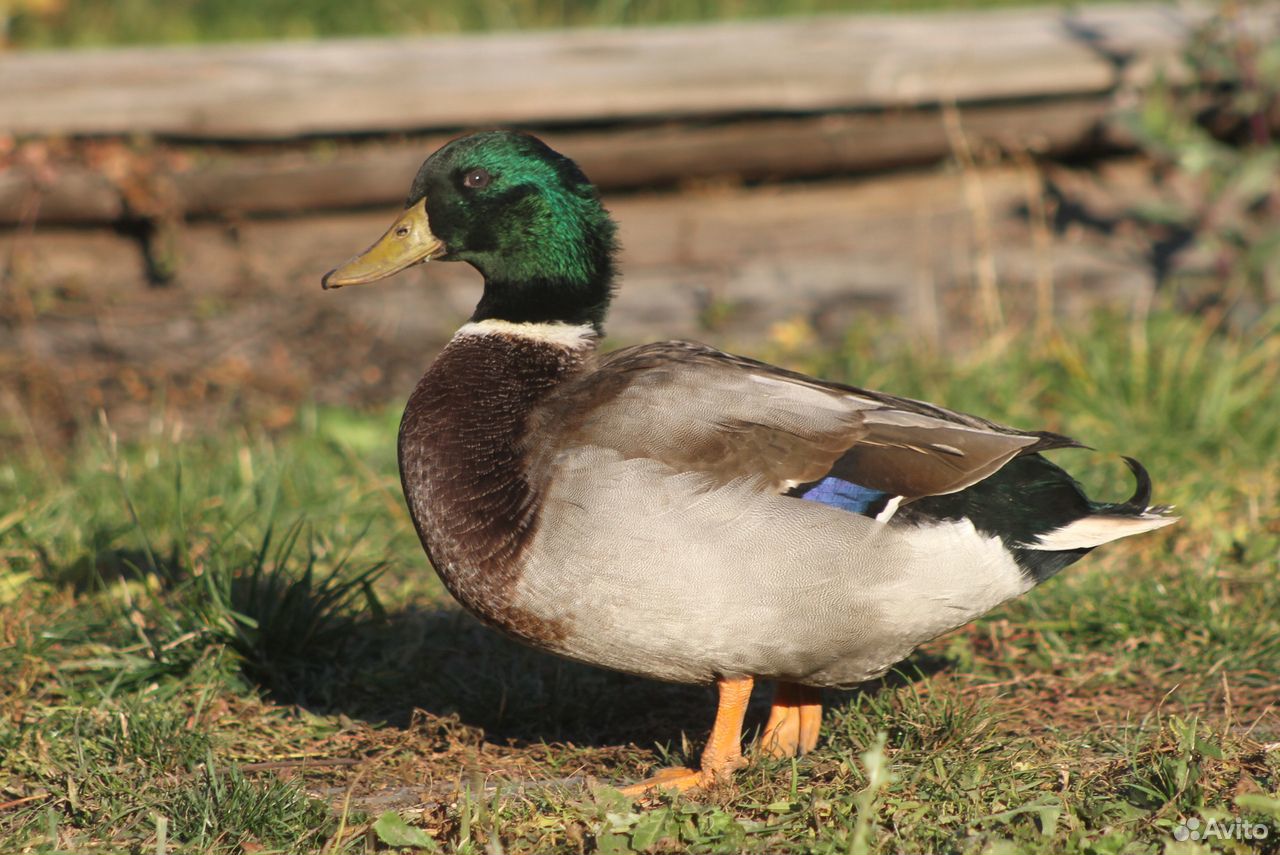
x=794 y=720
x=723 y=753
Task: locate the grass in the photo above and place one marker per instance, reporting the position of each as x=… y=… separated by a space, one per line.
x=232 y=643
x=61 y=23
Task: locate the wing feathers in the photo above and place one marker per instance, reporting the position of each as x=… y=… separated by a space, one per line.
x=696 y=409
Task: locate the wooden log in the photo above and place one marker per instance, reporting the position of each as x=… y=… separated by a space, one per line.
x=76 y=195
x=805 y=65
x=771 y=251
x=377 y=174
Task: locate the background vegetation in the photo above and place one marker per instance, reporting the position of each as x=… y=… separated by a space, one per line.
x=49 y=23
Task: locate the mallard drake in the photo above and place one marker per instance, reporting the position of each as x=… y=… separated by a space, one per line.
x=680 y=513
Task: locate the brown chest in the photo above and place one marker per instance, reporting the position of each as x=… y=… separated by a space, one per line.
x=468 y=471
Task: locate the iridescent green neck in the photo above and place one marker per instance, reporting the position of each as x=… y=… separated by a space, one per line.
x=545 y=301
x=533 y=226
x=557 y=266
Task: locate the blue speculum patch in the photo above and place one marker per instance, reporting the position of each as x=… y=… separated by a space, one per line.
x=844 y=495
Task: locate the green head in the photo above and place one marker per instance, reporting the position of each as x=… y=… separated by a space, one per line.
x=523 y=215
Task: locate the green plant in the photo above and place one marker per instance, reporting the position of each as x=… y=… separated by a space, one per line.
x=1213 y=139
x=43 y=23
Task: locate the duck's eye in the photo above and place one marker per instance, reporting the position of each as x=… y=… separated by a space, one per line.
x=476 y=178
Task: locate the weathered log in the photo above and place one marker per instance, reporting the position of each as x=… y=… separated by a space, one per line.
x=762 y=100
x=377 y=173
x=816 y=64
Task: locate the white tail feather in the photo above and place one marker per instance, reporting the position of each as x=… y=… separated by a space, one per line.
x=1091 y=531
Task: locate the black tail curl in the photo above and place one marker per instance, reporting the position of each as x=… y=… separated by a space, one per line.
x=1140 y=502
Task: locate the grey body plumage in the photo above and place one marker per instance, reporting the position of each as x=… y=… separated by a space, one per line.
x=635 y=512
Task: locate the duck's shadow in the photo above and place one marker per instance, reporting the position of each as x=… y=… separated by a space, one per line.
x=444 y=662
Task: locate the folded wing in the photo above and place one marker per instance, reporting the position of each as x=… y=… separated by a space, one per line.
x=696 y=409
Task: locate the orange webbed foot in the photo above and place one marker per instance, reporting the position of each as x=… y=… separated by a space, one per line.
x=794 y=721
x=723 y=753
x=678 y=778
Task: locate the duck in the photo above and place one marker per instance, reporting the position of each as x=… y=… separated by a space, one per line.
x=684 y=514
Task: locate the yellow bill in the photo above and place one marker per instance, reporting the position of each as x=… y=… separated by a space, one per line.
x=409 y=241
